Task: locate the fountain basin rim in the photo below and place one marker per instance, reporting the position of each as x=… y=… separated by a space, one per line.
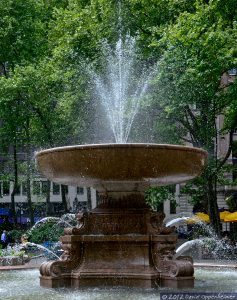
x=121 y=167
x=121 y=145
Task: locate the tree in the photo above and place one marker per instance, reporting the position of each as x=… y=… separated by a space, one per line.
x=24 y=41
x=199 y=48
x=41 y=119
x=22 y=35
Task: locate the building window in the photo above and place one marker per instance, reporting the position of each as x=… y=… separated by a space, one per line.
x=56 y=189
x=18 y=190
x=80 y=190
x=24 y=188
x=160 y=206
x=45 y=187
x=173 y=207
x=6 y=188
x=36 y=188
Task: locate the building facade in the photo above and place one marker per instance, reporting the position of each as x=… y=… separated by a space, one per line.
x=77 y=198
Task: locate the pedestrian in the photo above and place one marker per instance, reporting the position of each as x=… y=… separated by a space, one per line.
x=182 y=232
x=24 y=239
x=4 y=241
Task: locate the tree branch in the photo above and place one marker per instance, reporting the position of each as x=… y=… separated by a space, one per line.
x=228 y=151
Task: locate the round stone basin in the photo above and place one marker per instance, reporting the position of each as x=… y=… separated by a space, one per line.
x=121 y=167
x=24 y=284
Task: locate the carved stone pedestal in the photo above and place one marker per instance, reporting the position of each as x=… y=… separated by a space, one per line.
x=118 y=244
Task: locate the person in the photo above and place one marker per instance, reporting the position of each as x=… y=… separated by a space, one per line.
x=182 y=232
x=4 y=239
x=24 y=239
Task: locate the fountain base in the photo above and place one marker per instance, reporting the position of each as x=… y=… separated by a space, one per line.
x=118 y=244
x=121 y=261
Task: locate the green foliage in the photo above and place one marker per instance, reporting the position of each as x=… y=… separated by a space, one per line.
x=197 y=195
x=16 y=235
x=47 y=231
x=148 y=20
x=199 y=48
x=77 y=29
x=156 y=196
x=22 y=32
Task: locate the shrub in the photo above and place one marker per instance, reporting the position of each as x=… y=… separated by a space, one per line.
x=15 y=235
x=48 y=231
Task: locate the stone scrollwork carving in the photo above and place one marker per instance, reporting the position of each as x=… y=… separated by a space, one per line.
x=163 y=253
x=57 y=268
x=176 y=268
x=119 y=223
x=71 y=252
x=185 y=257
x=52 y=268
x=81 y=218
x=69 y=260
x=82 y=225
x=155 y=224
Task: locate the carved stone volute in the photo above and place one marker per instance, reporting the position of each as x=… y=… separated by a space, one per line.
x=163 y=253
x=82 y=225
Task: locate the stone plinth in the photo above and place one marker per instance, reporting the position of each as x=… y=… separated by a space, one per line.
x=127 y=246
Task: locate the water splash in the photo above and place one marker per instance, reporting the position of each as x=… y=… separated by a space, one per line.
x=210 y=243
x=67 y=220
x=40 y=247
x=204 y=237
x=122 y=86
x=176 y=220
x=189 y=244
x=178 y=216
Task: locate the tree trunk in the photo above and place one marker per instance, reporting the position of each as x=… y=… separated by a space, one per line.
x=64 y=199
x=213 y=210
x=48 y=204
x=28 y=174
x=13 y=205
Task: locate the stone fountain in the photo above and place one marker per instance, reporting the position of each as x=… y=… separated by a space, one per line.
x=122 y=241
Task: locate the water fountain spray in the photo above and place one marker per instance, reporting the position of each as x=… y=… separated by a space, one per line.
x=122 y=85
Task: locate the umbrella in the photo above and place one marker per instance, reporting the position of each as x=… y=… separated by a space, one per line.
x=223 y=215
x=199 y=217
x=231 y=217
